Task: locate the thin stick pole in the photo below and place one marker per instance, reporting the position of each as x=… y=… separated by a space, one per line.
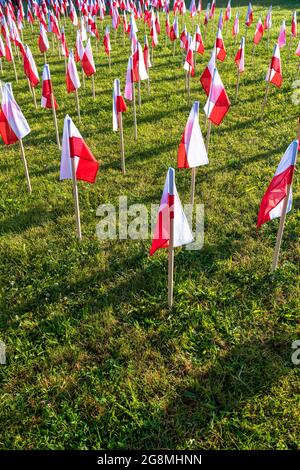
x=139 y=94
x=34 y=97
x=252 y=55
x=268 y=41
x=77 y=105
x=208 y=136
x=45 y=58
x=75 y=189
x=265 y=99
x=55 y=120
x=122 y=152
x=174 y=47
x=280 y=230
x=15 y=70
x=83 y=79
x=193 y=184
x=93 y=87
x=237 y=85
x=25 y=166
x=109 y=62
x=189 y=85
x=171 y=241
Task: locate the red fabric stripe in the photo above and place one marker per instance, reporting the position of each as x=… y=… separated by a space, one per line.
x=6 y=132
x=206 y=80
x=87 y=67
x=87 y=166
x=121 y=106
x=220 y=108
x=182 y=160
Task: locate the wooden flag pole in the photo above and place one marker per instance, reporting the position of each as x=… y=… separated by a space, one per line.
x=268 y=41
x=193 y=185
x=93 y=87
x=109 y=62
x=15 y=70
x=29 y=86
x=171 y=241
x=134 y=105
x=45 y=58
x=77 y=105
x=139 y=94
x=253 y=51
x=25 y=166
x=266 y=95
x=174 y=47
x=282 y=219
x=120 y=119
x=34 y=97
x=83 y=79
x=189 y=84
x=237 y=85
x=75 y=187
x=55 y=119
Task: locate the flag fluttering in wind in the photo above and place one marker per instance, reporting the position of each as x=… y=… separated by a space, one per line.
x=282 y=35
x=249 y=16
x=119 y=105
x=30 y=68
x=74 y=147
x=79 y=47
x=274 y=74
x=189 y=60
x=13 y=124
x=170 y=208
x=87 y=60
x=294 y=25
x=174 y=33
x=72 y=78
x=220 y=47
x=258 y=32
x=218 y=102
x=199 y=46
x=43 y=40
x=228 y=11
x=240 y=56
x=207 y=75
x=47 y=89
x=272 y=203
x=139 y=71
x=236 y=27
x=192 y=151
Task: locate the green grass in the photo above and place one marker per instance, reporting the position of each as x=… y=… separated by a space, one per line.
x=95 y=359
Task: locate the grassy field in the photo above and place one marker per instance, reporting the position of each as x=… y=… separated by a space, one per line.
x=95 y=359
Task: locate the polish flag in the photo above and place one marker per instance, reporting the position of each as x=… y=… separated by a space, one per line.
x=218 y=102
x=220 y=22
x=73 y=146
x=294 y=25
x=240 y=57
x=206 y=16
x=13 y=125
x=129 y=81
x=139 y=71
x=207 y=75
x=8 y=50
x=47 y=89
x=282 y=35
x=157 y=23
x=170 y=208
x=64 y=47
x=79 y=47
x=87 y=62
x=174 y=33
x=72 y=78
x=192 y=151
x=168 y=28
x=146 y=54
x=73 y=15
x=198 y=41
x=258 y=32
x=249 y=16
x=298 y=50
x=30 y=69
x=106 y=41
x=228 y=11
x=83 y=30
x=274 y=74
x=153 y=33
x=212 y=10
x=184 y=42
x=119 y=105
x=272 y=203
x=236 y=27
x=193 y=9
x=43 y=40
x=268 y=19
x=220 y=48
x=189 y=60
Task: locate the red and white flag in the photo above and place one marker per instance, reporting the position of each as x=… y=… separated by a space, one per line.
x=268 y=19
x=174 y=33
x=79 y=47
x=220 y=47
x=30 y=69
x=192 y=151
x=228 y=11
x=199 y=46
x=129 y=81
x=119 y=105
x=218 y=102
x=73 y=146
x=236 y=26
x=72 y=78
x=294 y=25
x=87 y=61
x=146 y=54
x=139 y=71
x=240 y=57
x=258 y=32
x=106 y=41
x=272 y=203
x=2 y=48
x=249 y=16
x=64 y=47
x=282 y=35
x=170 y=208
x=207 y=75
x=274 y=74
x=298 y=50
x=43 y=40
x=189 y=60
x=13 y=124
x=47 y=89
